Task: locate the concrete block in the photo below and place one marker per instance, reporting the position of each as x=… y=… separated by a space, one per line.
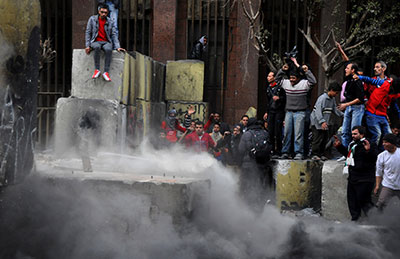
x=158 y=82
x=158 y=111
x=175 y=196
x=128 y=81
x=104 y=117
x=184 y=80
x=143 y=76
x=201 y=109
x=83 y=86
x=143 y=109
x=334 y=192
x=298 y=184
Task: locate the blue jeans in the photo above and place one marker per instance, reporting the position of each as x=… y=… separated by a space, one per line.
x=377 y=125
x=294 y=122
x=352 y=117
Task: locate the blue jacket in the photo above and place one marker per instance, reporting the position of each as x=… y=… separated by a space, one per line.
x=92 y=31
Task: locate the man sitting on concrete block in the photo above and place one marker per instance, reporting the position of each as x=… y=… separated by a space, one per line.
x=101 y=34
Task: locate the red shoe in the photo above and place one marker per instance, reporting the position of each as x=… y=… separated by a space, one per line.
x=106 y=77
x=96 y=74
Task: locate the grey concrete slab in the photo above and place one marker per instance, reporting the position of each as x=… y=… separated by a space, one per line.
x=334 y=190
x=83 y=86
x=175 y=195
x=104 y=117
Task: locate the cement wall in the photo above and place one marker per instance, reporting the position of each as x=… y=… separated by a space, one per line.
x=105 y=119
x=334 y=192
x=19 y=74
x=298 y=184
x=185 y=80
x=201 y=109
x=175 y=196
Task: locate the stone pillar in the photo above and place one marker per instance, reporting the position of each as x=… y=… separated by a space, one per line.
x=164 y=30
x=19 y=73
x=242 y=74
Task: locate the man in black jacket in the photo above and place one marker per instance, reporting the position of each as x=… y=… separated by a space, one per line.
x=360 y=164
x=276 y=99
x=254 y=174
x=198 y=48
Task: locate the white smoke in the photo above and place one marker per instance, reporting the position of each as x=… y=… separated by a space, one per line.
x=65 y=219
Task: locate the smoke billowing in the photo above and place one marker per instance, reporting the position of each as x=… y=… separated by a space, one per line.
x=44 y=218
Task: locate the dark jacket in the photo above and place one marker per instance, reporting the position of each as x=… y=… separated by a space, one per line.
x=279 y=105
x=364 y=162
x=115 y=2
x=198 y=49
x=246 y=142
x=231 y=142
x=354 y=90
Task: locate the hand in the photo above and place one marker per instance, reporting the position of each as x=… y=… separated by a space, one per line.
x=305 y=68
x=265 y=117
x=342 y=106
x=367 y=145
x=324 y=126
x=285 y=67
x=87 y=50
x=121 y=49
x=294 y=61
x=337 y=142
x=355 y=77
x=376 y=189
x=275 y=98
x=191 y=110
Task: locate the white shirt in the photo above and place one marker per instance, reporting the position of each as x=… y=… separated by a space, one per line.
x=388 y=166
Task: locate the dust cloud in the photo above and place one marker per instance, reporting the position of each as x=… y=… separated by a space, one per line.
x=44 y=218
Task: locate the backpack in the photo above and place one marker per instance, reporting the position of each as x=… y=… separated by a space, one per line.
x=260 y=147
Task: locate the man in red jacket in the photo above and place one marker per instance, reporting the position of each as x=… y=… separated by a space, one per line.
x=170 y=126
x=377 y=105
x=199 y=140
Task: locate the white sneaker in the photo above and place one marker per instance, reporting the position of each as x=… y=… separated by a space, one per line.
x=343 y=158
x=106 y=77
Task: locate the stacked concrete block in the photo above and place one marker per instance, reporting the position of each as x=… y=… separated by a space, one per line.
x=334 y=190
x=298 y=184
x=143 y=75
x=158 y=82
x=83 y=86
x=128 y=93
x=201 y=109
x=184 y=80
x=101 y=119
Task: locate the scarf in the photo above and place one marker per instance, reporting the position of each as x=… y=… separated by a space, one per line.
x=350 y=155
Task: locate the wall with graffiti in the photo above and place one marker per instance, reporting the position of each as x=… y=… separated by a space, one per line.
x=19 y=72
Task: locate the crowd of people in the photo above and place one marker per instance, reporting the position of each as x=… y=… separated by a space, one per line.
x=366 y=141
x=365 y=138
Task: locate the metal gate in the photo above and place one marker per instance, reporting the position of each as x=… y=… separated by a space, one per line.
x=211 y=18
x=55 y=77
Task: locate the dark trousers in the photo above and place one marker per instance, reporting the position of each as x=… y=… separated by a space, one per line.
x=256 y=184
x=275 y=125
x=319 y=140
x=107 y=47
x=359 y=198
